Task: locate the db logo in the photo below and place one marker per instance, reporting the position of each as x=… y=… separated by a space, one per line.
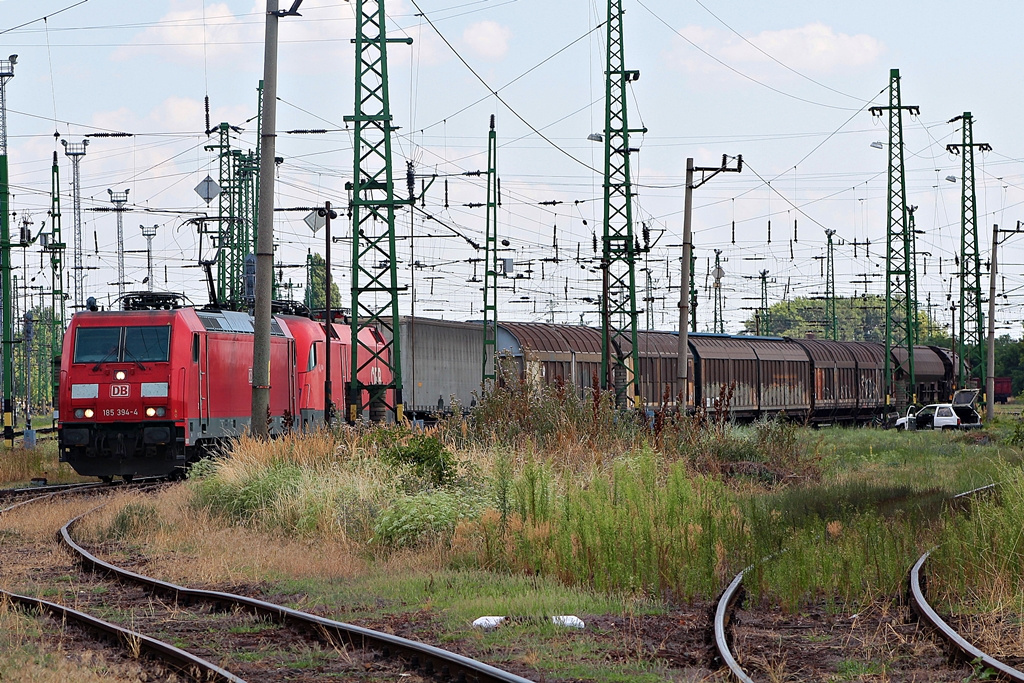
x=120 y=390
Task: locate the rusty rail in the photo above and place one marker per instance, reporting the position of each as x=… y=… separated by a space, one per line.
x=965 y=649
x=195 y=668
x=734 y=592
x=723 y=616
x=433 y=661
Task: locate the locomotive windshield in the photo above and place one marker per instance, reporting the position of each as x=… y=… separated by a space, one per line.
x=122 y=344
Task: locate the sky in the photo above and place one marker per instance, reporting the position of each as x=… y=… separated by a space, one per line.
x=787 y=85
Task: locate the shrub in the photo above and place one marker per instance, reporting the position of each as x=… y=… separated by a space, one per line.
x=428 y=458
x=524 y=411
x=430 y=516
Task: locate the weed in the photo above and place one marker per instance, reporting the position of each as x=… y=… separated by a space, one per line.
x=427 y=456
x=133 y=521
x=426 y=517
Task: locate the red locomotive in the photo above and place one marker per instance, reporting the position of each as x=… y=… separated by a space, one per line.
x=146 y=392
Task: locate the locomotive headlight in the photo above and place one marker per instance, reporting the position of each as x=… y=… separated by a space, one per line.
x=150 y=412
x=88 y=412
x=160 y=412
x=119 y=375
x=79 y=413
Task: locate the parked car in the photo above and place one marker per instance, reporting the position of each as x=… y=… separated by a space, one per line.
x=958 y=414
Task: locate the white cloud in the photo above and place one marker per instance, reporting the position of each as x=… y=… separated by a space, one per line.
x=190 y=35
x=221 y=39
x=487 y=39
x=814 y=48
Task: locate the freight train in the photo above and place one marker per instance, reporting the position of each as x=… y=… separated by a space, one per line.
x=148 y=391
x=812 y=380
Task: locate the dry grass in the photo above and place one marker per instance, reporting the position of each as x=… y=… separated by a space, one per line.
x=19 y=465
x=26 y=654
x=193 y=547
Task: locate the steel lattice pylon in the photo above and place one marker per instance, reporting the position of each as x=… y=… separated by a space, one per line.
x=119 y=199
x=374 y=263
x=55 y=248
x=718 y=273
x=490 y=371
x=831 y=320
x=972 y=320
x=76 y=150
x=766 y=316
x=899 y=304
x=619 y=353
x=234 y=235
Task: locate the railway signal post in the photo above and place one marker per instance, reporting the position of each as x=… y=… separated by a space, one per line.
x=327 y=214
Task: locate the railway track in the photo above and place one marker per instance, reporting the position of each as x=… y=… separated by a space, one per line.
x=725 y=618
x=222 y=636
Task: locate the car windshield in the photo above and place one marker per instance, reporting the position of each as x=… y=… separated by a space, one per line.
x=122 y=344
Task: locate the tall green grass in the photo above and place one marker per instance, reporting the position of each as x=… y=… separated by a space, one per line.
x=675 y=522
x=642 y=526
x=980 y=553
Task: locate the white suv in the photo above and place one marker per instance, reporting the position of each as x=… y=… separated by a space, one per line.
x=960 y=414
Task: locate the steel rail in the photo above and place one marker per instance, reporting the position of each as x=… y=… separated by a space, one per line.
x=54 y=488
x=432 y=660
x=723 y=612
x=734 y=592
x=186 y=663
x=966 y=650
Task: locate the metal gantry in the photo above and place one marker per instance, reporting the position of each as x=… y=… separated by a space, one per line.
x=971 y=349
x=899 y=304
x=490 y=371
x=75 y=151
x=619 y=352
x=375 y=369
x=119 y=199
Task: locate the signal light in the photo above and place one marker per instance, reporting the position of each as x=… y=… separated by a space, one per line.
x=150 y=412
x=79 y=413
x=89 y=412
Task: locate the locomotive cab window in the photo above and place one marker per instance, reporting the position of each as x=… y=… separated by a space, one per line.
x=122 y=344
x=147 y=344
x=97 y=344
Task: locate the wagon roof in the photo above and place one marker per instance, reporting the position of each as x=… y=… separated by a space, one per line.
x=928 y=366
